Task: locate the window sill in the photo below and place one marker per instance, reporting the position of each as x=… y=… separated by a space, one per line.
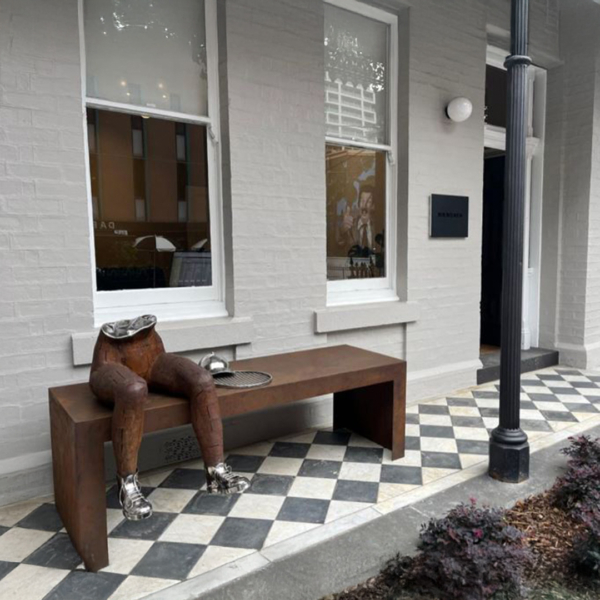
x=180 y=336
x=361 y=316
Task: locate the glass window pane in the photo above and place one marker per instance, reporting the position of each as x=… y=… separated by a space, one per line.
x=133 y=45
x=151 y=212
x=356 y=211
x=356 y=76
x=495 y=96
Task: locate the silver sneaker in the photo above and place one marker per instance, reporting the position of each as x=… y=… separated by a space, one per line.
x=135 y=506
x=220 y=480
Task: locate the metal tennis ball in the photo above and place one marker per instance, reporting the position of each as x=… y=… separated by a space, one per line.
x=215 y=365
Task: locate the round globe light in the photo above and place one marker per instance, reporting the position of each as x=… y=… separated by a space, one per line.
x=459 y=109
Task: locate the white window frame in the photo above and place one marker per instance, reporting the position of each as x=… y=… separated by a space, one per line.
x=358 y=291
x=168 y=303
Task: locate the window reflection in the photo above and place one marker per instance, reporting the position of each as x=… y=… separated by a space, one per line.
x=149 y=184
x=356 y=213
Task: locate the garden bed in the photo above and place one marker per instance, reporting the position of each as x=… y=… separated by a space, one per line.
x=545 y=547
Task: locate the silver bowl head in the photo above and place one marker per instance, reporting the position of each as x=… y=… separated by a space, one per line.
x=215 y=365
x=119 y=330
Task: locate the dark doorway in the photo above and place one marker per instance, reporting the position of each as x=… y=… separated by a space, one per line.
x=491 y=252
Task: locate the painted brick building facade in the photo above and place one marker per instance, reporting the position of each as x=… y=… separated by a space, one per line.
x=272 y=197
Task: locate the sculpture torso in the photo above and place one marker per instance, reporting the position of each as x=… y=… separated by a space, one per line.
x=133 y=343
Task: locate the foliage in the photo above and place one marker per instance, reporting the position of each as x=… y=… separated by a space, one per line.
x=578 y=492
x=471 y=554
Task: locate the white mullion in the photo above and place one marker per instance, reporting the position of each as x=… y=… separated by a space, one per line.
x=134 y=109
x=340 y=141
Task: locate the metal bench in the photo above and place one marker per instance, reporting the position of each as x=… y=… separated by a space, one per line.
x=369 y=398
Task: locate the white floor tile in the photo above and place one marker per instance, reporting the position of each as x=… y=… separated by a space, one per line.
x=192 y=529
x=464 y=411
x=17 y=543
x=553 y=406
x=438 y=445
x=257 y=506
x=284 y=530
x=28 y=582
x=532 y=415
x=490 y=422
x=442 y=420
x=134 y=587
x=471 y=433
x=217 y=556
x=358 y=440
x=261 y=449
x=312 y=487
x=113 y=517
x=170 y=499
x=412 y=458
x=431 y=474
x=413 y=430
x=326 y=452
x=487 y=402
x=341 y=508
x=360 y=471
x=155 y=478
x=125 y=554
x=391 y=490
x=276 y=465
x=10 y=515
x=468 y=460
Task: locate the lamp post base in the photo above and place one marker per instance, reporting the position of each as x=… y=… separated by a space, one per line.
x=509 y=462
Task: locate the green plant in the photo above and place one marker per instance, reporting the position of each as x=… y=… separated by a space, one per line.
x=471 y=554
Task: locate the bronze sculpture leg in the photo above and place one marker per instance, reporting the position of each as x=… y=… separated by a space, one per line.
x=182 y=377
x=115 y=384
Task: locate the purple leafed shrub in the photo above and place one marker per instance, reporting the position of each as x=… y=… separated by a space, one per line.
x=578 y=492
x=471 y=554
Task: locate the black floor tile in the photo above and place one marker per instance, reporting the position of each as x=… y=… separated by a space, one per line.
x=459 y=421
x=356 y=491
x=245 y=464
x=242 y=533
x=359 y=454
x=412 y=443
x=550 y=377
x=582 y=408
x=564 y=391
x=472 y=447
x=82 y=584
x=57 y=553
x=461 y=402
x=329 y=469
x=335 y=438
x=271 y=485
x=169 y=560
x=3 y=530
x=488 y=394
x=290 y=450
x=492 y=413
x=438 y=431
x=211 y=504
x=555 y=415
x=432 y=409
x=303 y=510
x=543 y=397
x=440 y=460
x=398 y=474
x=44 y=518
x=6 y=567
x=188 y=479
x=412 y=419
x=583 y=384
x=148 y=529
x=535 y=425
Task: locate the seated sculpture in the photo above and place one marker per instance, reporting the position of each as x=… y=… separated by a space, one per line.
x=129 y=358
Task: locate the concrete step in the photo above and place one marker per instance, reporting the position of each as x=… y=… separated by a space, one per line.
x=531 y=360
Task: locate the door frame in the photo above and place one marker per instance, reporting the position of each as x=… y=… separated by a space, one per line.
x=495 y=137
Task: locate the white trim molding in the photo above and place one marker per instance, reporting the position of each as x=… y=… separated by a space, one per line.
x=376 y=314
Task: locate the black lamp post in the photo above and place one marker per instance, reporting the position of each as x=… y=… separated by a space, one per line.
x=509 y=449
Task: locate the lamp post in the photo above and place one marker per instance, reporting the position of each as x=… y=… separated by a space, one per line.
x=509 y=448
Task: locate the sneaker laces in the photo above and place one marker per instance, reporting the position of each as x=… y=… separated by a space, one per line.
x=134 y=493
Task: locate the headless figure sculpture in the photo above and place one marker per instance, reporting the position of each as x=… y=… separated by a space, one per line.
x=129 y=358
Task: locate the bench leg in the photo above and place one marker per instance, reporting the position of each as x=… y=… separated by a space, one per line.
x=377 y=412
x=79 y=487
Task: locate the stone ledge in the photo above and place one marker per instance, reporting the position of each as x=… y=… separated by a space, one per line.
x=180 y=336
x=360 y=316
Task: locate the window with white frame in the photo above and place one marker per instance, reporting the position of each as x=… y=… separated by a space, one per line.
x=360 y=115
x=152 y=129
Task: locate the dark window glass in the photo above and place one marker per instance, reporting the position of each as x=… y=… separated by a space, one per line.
x=495 y=96
x=149 y=181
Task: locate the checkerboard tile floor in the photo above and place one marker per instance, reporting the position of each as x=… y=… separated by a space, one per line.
x=298 y=483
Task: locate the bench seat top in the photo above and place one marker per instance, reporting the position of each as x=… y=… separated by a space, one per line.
x=296 y=376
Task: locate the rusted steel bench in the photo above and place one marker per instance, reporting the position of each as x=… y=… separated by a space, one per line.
x=369 y=398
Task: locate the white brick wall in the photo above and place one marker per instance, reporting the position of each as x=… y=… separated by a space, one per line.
x=275 y=193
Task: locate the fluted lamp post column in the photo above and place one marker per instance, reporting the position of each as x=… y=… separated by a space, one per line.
x=509 y=448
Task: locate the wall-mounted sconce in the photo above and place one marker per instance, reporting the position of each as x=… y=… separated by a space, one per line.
x=459 y=110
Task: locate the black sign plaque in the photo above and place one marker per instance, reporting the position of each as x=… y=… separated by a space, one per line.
x=449 y=216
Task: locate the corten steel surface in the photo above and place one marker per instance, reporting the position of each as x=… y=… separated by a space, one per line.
x=369 y=398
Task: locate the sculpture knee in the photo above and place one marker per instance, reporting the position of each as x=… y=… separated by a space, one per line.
x=133 y=394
